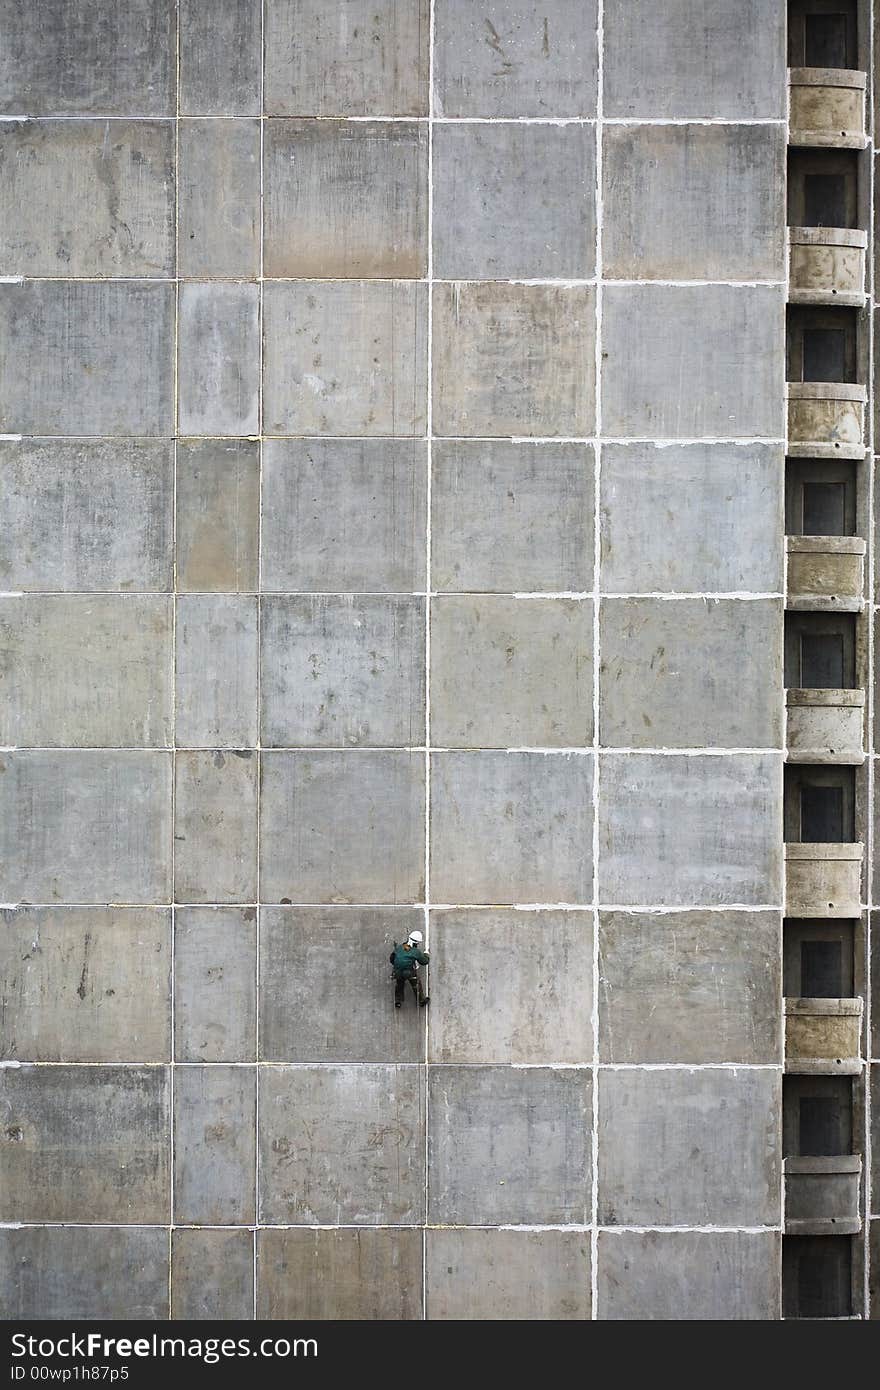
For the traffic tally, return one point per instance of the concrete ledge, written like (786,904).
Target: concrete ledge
(828,417)
(823,880)
(825,573)
(822,1195)
(826,265)
(827,107)
(824,726)
(822,1037)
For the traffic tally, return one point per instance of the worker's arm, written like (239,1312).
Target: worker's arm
(422,957)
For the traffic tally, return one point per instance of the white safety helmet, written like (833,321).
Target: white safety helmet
(415,937)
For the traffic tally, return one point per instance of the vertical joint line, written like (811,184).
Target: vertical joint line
(597,469)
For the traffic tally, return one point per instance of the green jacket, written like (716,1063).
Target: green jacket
(404,958)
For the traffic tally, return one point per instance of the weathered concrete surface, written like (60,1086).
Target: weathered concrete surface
(827,107)
(511,987)
(87,198)
(218,515)
(508,1275)
(79,1272)
(825,572)
(219,169)
(215,970)
(682,1148)
(696,1275)
(689,987)
(508,1145)
(85,984)
(220,58)
(342,1145)
(339,1275)
(215,826)
(218,371)
(511,827)
(825,726)
(212,1275)
(827,265)
(823,880)
(508,672)
(214,1144)
(216,678)
(826,419)
(85,1144)
(514,200)
(822,1195)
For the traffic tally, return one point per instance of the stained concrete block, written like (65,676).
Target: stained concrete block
(512,516)
(692,362)
(689,1275)
(103,195)
(219,173)
(86,984)
(514,200)
(512,987)
(85,827)
(342,827)
(220,58)
(693,202)
(689,1148)
(217,662)
(342,1145)
(218,359)
(508,672)
(85,1144)
(86,358)
(678,61)
(704,518)
(689,987)
(85,671)
(344,515)
(368,58)
(215,978)
(343,670)
(511,827)
(691,673)
(95,515)
(212,1275)
(345,358)
(515,58)
(508,1145)
(681,831)
(214,1144)
(513,359)
(215,827)
(218,515)
(79,1272)
(346,200)
(63,59)
(339,1276)
(508,1275)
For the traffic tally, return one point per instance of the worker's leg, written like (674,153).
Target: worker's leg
(420,990)
(416,985)
(398,991)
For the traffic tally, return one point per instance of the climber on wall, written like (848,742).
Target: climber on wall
(405,961)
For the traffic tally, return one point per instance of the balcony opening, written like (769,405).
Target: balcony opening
(824,200)
(822,34)
(819,805)
(820,651)
(816,1116)
(823,188)
(821,344)
(818,960)
(820,498)
(817,1277)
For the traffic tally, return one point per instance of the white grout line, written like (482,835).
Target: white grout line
(259,754)
(336,1064)
(871,710)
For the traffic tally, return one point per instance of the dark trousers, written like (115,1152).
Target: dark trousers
(400,982)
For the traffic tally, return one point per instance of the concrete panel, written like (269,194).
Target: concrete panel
(344,515)
(338,1276)
(215,975)
(214,1144)
(219,173)
(79,1272)
(217,662)
(695,517)
(514,201)
(511,827)
(696,58)
(345,358)
(680,831)
(508,1145)
(693,202)
(85,1144)
(218,360)
(342,671)
(508,672)
(509,359)
(511,517)
(342,827)
(86,984)
(87,198)
(515,58)
(689,1148)
(346,200)
(690,362)
(86,358)
(511,987)
(689,987)
(689,1275)
(220,58)
(342,1145)
(212,1275)
(95,515)
(85,671)
(215,827)
(218,515)
(63,59)
(528,1276)
(85,827)
(694,673)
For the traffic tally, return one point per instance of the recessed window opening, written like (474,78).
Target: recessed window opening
(824,354)
(822,661)
(822,969)
(825,200)
(822,815)
(825,40)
